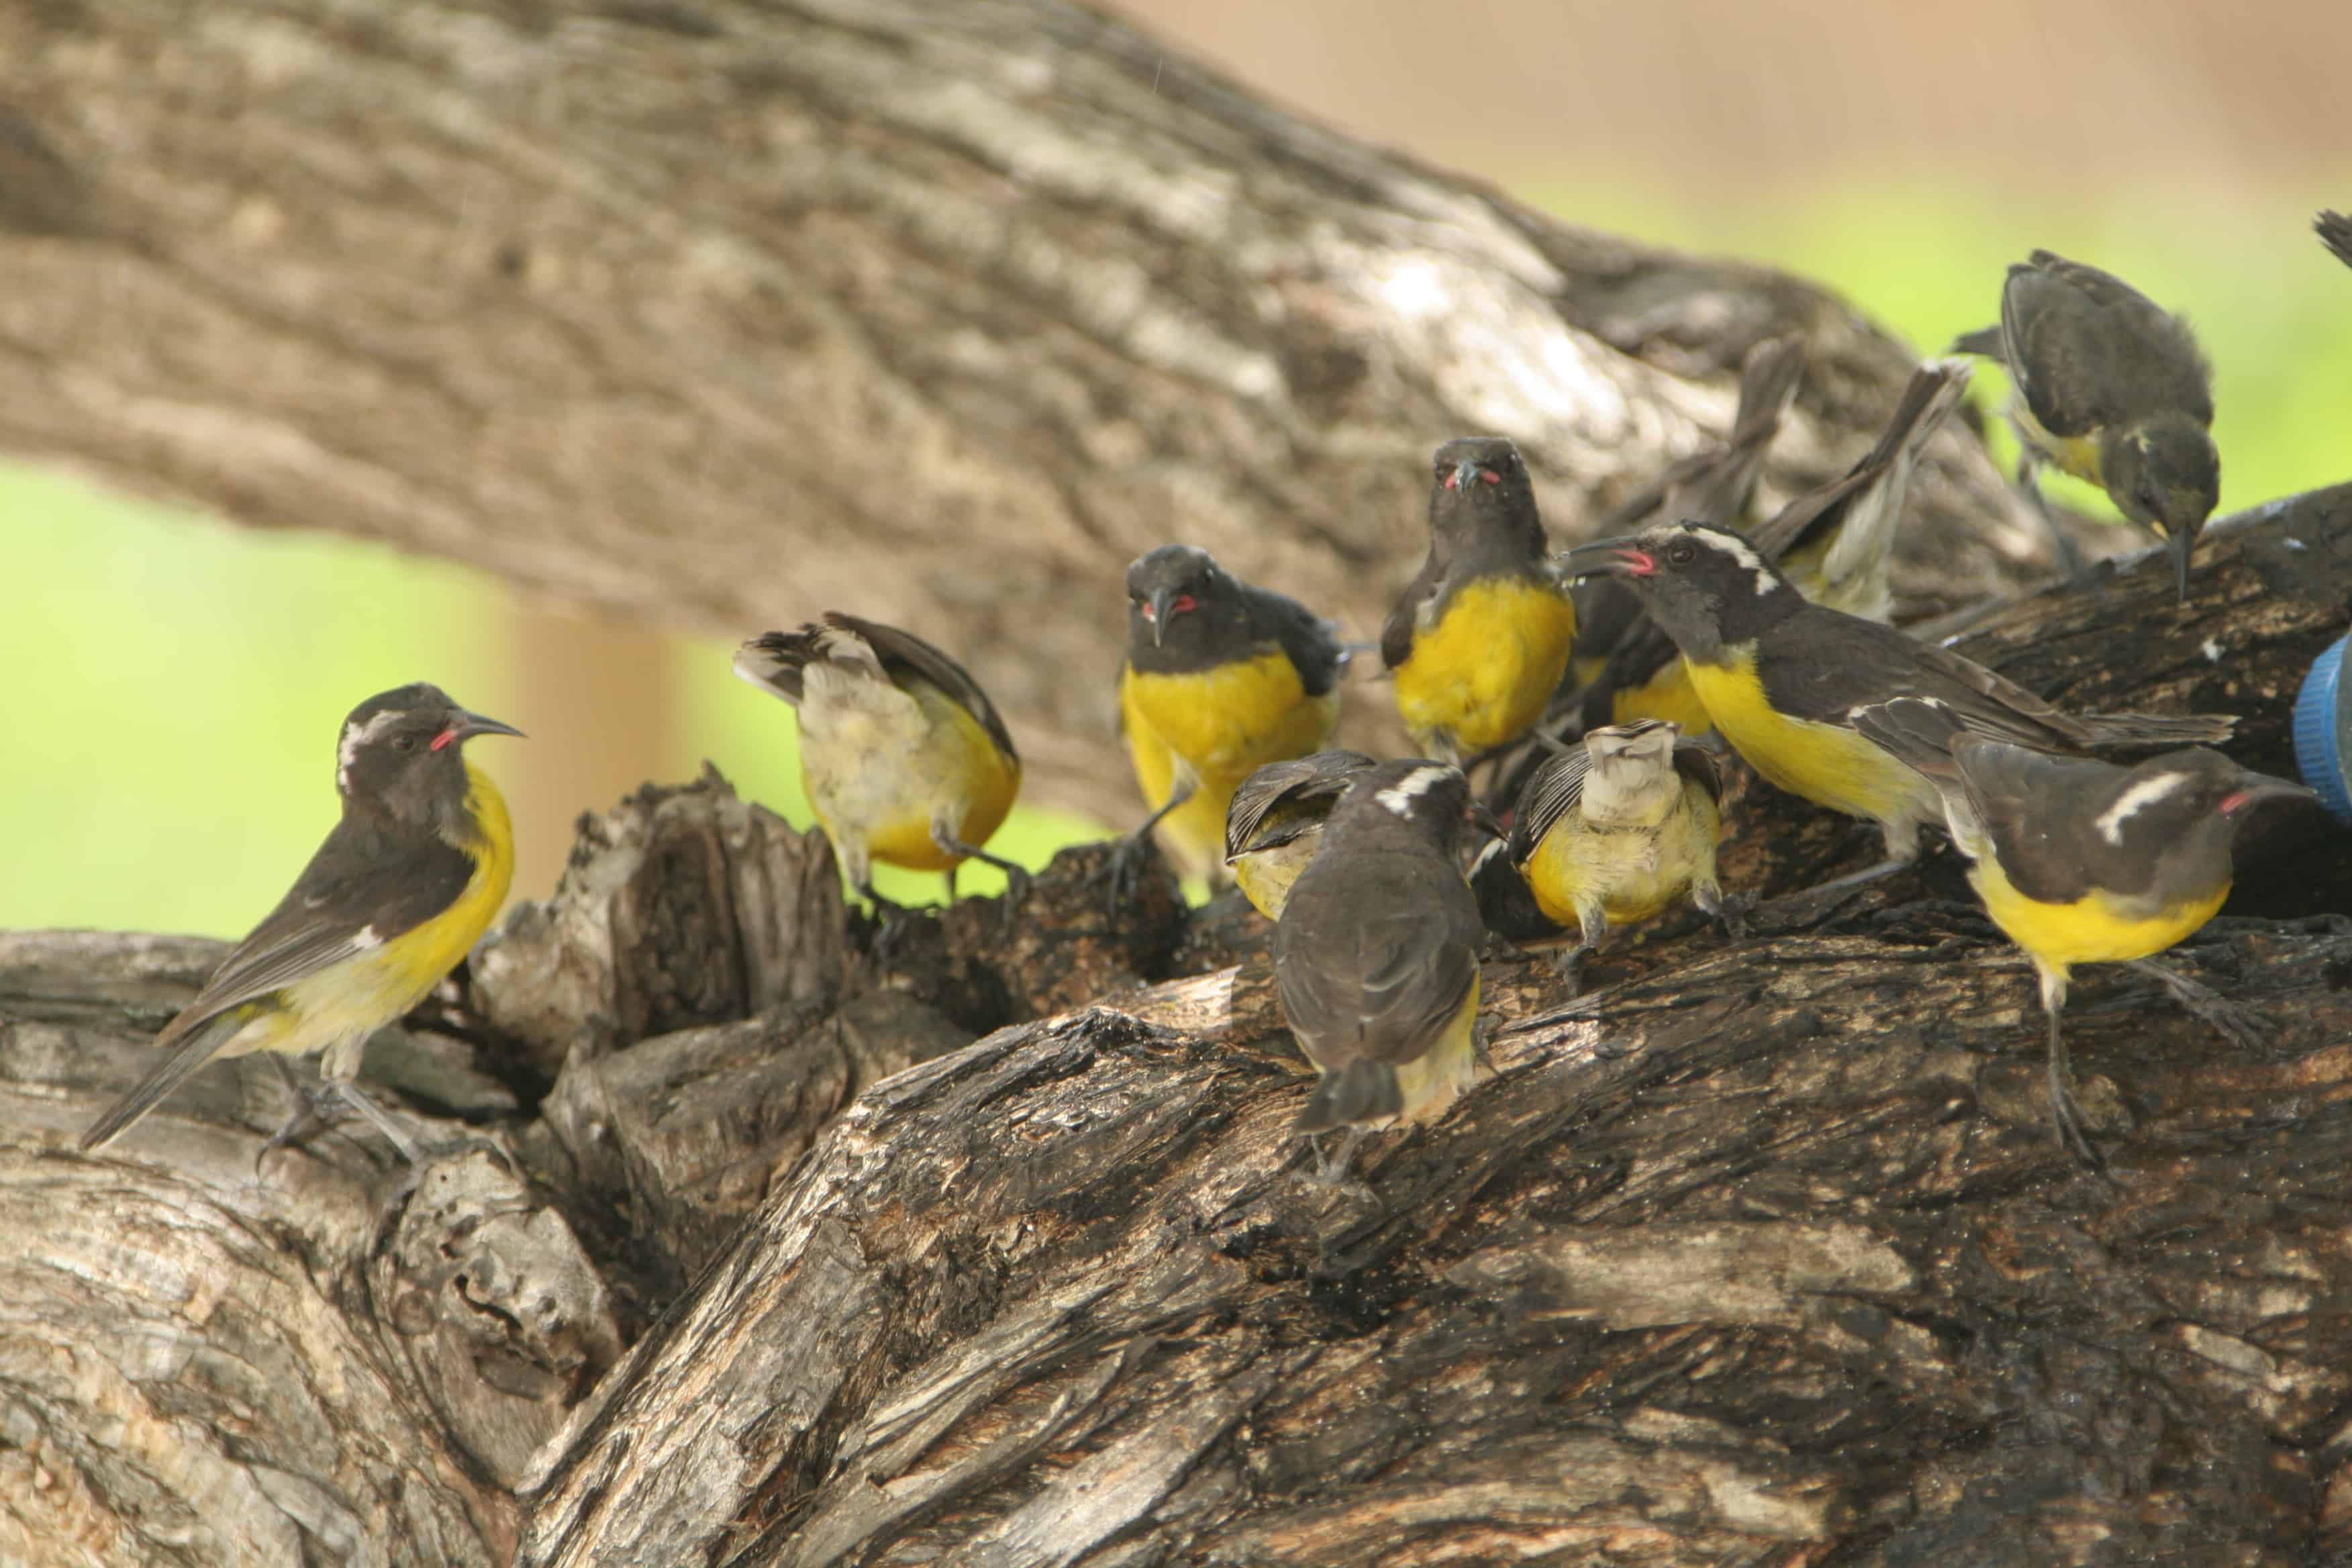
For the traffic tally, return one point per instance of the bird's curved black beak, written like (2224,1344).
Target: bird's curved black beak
(465,726)
(1608,558)
(2182,542)
(2254,788)
(1160,599)
(1465,474)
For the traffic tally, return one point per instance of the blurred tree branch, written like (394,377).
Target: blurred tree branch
(717,314)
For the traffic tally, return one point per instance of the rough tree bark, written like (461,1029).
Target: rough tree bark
(719,313)
(1760,1252)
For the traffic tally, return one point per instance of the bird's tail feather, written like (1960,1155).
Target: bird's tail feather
(2159,728)
(175,1069)
(1357,1093)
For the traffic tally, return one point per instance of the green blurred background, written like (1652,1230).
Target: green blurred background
(177,683)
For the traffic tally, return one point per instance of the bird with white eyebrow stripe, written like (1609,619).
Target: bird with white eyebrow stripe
(1783,677)
(2080,861)
(1376,954)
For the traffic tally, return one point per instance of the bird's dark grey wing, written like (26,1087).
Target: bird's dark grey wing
(1823,509)
(2042,814)
(1378,961)
(1822,665)
(1397,632)
(1323,776)
(2088,350)
(2334,231)
(775,660)
(1550,794)
(1312,643)
(905,653)
(380,883)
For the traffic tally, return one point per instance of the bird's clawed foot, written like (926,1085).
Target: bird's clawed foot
(2241,1025)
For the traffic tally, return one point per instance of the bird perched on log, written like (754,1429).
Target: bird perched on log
(1782,678)
(906,760)
(2079,861)
(1275,822)
(1221,679)
(1835,542)
(1479,639)
(409,875)
(2109,387)
(1376,954)
(1618,829)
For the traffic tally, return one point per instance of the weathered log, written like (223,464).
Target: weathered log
(719,313)
(1763,1252)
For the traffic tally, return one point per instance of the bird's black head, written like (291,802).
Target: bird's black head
(1707,586)
(1481,503)
(1421,800)
(2166,476)
(2169,801)
(1184,611)
(399,755)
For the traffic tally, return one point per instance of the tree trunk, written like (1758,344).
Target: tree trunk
(719,314)
(1759,1252)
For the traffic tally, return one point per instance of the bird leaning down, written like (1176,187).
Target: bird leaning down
(1618,829)
(1275,822)
(2108,387)
(1479,639)
(1782,678)
(2079,861)
(409,875)
(905,760)
(1221,679)
(1376,954)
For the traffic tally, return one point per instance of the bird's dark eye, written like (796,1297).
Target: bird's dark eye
(1681,553)
(403,743)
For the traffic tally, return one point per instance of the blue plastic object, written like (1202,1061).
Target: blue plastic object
(2323,730)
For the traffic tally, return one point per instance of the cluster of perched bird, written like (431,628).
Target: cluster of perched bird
(1599,710)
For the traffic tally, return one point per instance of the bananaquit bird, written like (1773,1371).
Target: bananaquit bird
(1620,827)
(2108,387)
(1835,542)
(405,882)
(1480,638)
(1221,679)
(1376,955)
(1782,678)
(2082,862)
(1275,822)
(904,758)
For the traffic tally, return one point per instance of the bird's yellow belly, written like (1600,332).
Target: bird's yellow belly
(1826,763)
(1629,875)
(884,777)
(2096,928)
(1214,728)
(1484,673)
(1667,695)
(1431,1082)
(1266,876)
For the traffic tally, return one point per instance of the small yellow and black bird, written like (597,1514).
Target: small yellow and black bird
(1717,484)
(2335,230)
(1480,638)
(2080,861)
(1835,542)
(1618,829)
(1221,679)
(1376,955)
(405,882)
(2109,387)
(1782,677)
(904,758)
(1275,822)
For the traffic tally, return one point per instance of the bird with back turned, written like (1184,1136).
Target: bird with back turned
(905,760)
